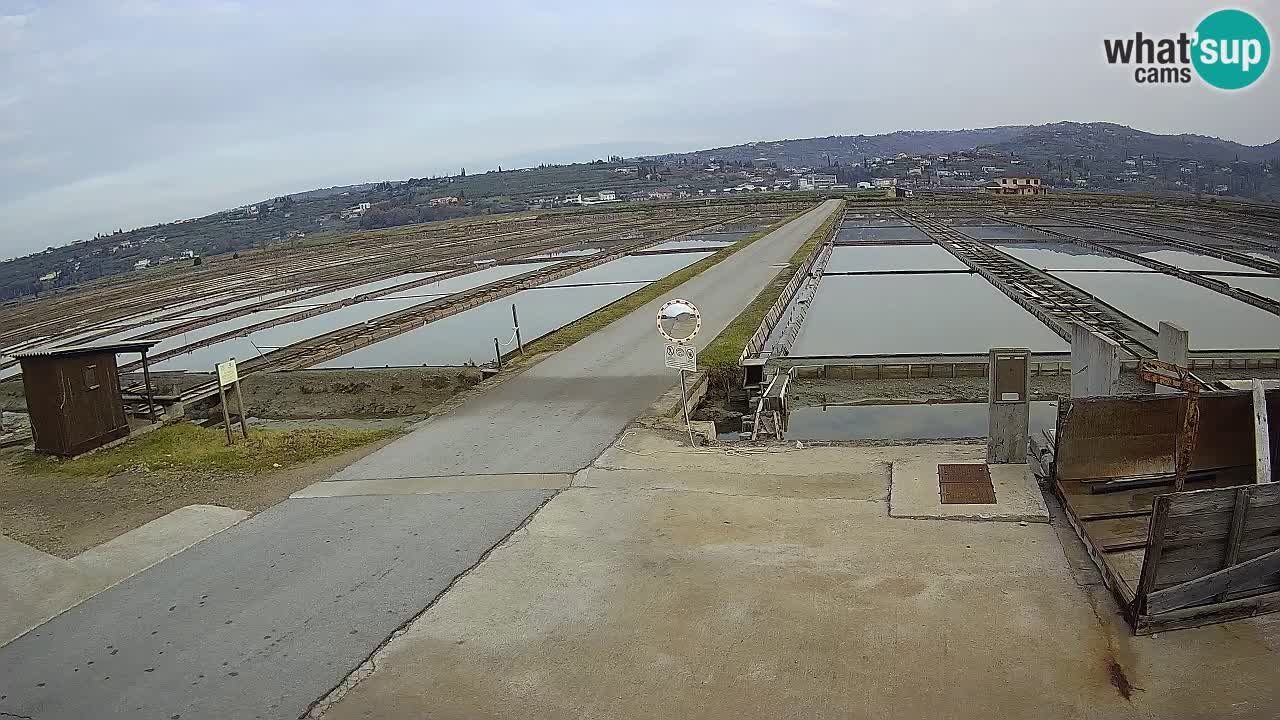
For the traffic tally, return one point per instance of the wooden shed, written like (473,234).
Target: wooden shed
(73,395)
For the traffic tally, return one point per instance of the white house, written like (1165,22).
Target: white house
(864,186)
(142,264)
(608,196)
(815,181)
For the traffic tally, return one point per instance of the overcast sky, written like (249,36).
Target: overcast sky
(128,113)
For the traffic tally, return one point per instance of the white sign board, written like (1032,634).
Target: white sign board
(227,373)
(681,357)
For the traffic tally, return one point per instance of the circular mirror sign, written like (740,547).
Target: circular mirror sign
(679,320)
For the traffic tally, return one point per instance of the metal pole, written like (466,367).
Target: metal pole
(244,421)
(516,321)
(226,416)
(684,403)
(146,379)
(497,352)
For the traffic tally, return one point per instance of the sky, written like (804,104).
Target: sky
(118,114)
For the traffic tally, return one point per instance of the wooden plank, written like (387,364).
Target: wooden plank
(1217,525)
(1127,565)
(1180,596)
(1261,433)
(1119,533)
(1208,614)
(1144,513)
(1151,559)
(1231,552)
(1193,502)
(1120,587)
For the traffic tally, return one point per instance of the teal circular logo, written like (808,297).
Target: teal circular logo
(1231,49)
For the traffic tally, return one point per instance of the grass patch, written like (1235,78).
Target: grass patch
(575,331)
(185,446)
(720,357)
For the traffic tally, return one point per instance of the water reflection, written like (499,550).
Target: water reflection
(1216,322)
(867,258)
(917,314)
(904,422)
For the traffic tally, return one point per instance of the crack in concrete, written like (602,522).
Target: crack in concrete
(370,665)
(14,715)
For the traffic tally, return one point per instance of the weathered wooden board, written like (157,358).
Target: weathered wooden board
(1128,435)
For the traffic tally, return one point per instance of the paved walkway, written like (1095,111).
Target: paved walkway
(670,584)
(265,618)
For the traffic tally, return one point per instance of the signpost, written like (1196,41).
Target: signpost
(229,376)
(679,321)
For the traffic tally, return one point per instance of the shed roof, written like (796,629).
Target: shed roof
(130,346)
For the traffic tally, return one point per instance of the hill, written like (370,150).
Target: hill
(1099,156)
(1103,141)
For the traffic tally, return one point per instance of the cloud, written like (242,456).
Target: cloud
(134,111)
(12,28)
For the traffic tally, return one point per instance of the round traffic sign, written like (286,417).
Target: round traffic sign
(679,320)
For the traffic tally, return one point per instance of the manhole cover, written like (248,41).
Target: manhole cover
(966,484)
(968,494)
(964,473)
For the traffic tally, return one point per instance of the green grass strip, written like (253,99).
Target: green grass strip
(720,357)
(187,447)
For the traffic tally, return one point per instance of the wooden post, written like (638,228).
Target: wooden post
(1261,433)
(1151,558)
(146,379)
(1186,440)
(1232,550)
(516,322)
(244,421)
(226,416)
(497,352)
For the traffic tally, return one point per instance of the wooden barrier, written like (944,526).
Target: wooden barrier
(1173,559)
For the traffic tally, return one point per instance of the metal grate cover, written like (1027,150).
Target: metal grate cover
(964,473)
(966,484)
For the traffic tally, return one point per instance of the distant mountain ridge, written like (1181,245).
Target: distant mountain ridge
(1103,140)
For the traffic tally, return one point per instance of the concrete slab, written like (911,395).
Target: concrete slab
(866,485)
(36,586)
(914,490)
(431,485)
(639,603)
(261,619)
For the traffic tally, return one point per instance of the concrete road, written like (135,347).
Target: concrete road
(562,413)
(267,617)
(776,585)
(261,620)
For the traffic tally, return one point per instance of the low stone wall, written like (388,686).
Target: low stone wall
(384,392)
(354,393)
